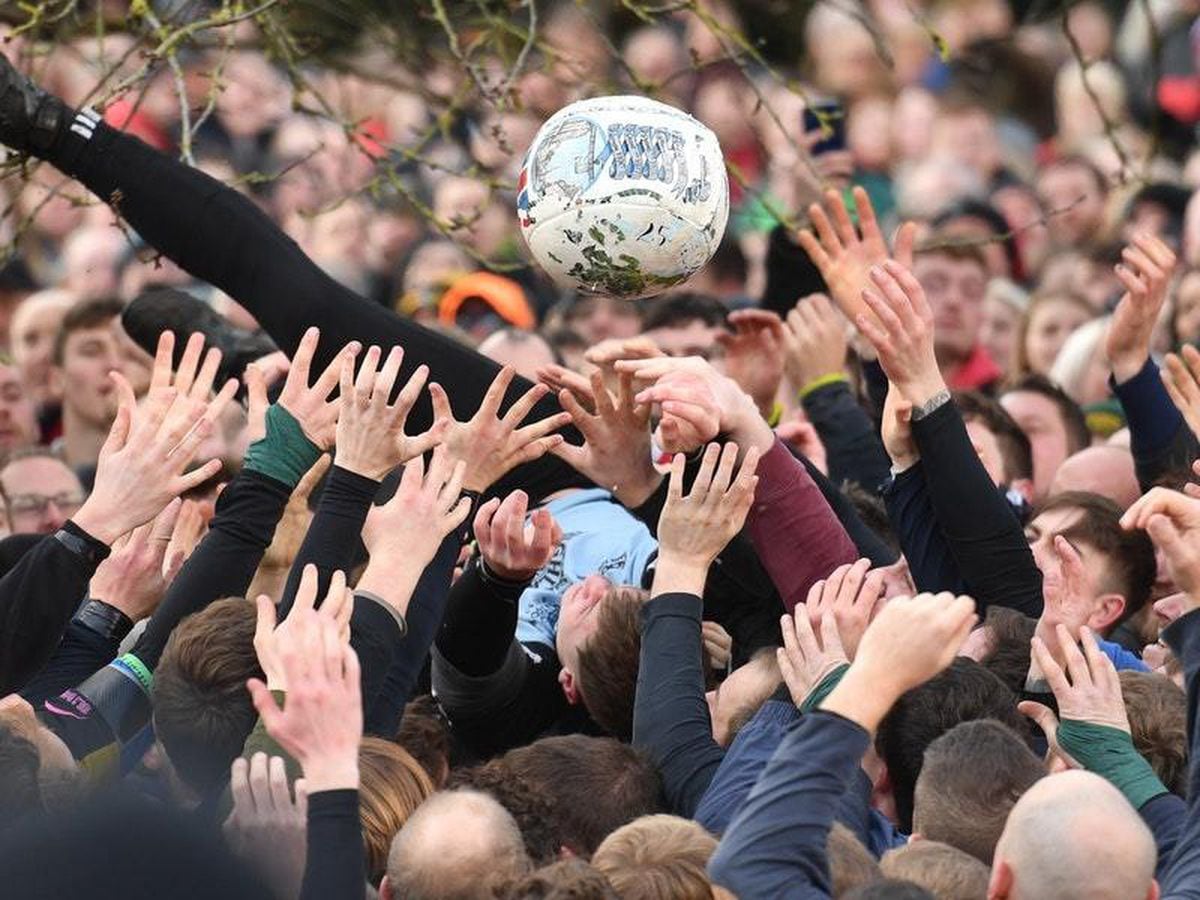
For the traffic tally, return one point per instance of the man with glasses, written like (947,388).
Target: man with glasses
(41,492)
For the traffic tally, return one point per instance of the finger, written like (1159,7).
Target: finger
(543,531)
(1142,264)
(841,218)
(603,402)
(328,378)
(905,241)
(885,315)
(411,391)
(541,428)
(867,223)
(704,477)
(302,359)
(160,375)
(118,433)
(278,780)
(441,403)
(202,386)
(386,379)
(260,782)
(264,625)
(159,530)
(335,597)
(814,250)
(579,416)
(724,473)
(675,484)
(496,391)
(825,230)
(852,583)
(306,593)
(1100,667)
(185,375)
(256,389)
(217,405)
(1133,283)
(1159,252)
(482,526)
(1043,717)
(196,477)
(524,405)
(264,703)
(1050,668)
(366,375)
(239,788)
(452,489)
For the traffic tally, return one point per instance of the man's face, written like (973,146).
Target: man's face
(32,342)
(18,424)
(1070,605)
(693,339)
(578,615)
(88,356)
(955,288)
(1039,418)
(987,447)
(597,319)
(42,494)
(1071,193)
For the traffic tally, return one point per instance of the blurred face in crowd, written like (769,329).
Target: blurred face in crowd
(88,356)
(695,338)
(999,332)
(526,352)
(1100,608)
(1187,308)
(987,448)
(1050,324)
(969,136)
(1042,423)
(42,494)
(955,288)
(34,326)
(578,616)
(18,423)
(1074,203)
(597,319)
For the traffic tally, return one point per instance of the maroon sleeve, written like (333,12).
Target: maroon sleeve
(795,533)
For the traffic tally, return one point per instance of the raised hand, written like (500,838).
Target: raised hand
(850,597)
(896,430)
(1067,588)
(1172,520)
(148,449)
(403,534)
(311,406)
(616,449)
(266,828)
(909,642)
(814,342)
(718,645)
(512,548)
(1182,379)
(808,656)
(192,382)
(135,577)
(321,723)
(1145,271)
(694,528)
(491,445)
(271,638)
(1089,689)
(370,430)
(900,328)
(607,352)
(754,354)
(843,257)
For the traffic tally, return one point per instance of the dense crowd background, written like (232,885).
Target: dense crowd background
(346,554)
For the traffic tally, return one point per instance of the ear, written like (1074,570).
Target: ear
(1155,891)
(385,889)
(883,796)
(915,837)
(1000,885)
(566,679)
(1108,608)
(55,381)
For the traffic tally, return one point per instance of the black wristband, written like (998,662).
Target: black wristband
(104,619)
(82,544)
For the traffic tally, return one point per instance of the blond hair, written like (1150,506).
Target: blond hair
(658,857)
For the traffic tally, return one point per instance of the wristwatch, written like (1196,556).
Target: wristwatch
(104,619)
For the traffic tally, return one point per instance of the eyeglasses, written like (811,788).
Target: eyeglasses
(36,504)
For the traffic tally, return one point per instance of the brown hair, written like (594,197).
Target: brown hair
(1157,711)
(85,316)
(425,734)
(1014,443)
(393,784)
(596,785)
(946,872)
(971,777)
(953,246)
(202,710)
(1130,568)
(850,863)
(658,857)
(530,804)
(567,879)
(20,789)
(608,661)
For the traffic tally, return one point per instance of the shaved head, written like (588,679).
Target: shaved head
(1105,469)
(1073,836)
(456,846)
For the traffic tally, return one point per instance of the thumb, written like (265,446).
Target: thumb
(1042,716)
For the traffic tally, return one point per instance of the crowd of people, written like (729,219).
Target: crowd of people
(345,555)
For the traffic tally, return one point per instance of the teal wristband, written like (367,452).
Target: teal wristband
(285,453)
(136,670)
(1109,752)
(818,694)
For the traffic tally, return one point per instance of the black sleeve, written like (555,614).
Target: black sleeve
(426,610)
(374,635)
(852,444)
(225,561)
(81,652)
(333,537)
(335,865)
(984,534)
(670,714)
(38,596)
(480,621)
(790,273)
(911,513)
(869,544)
